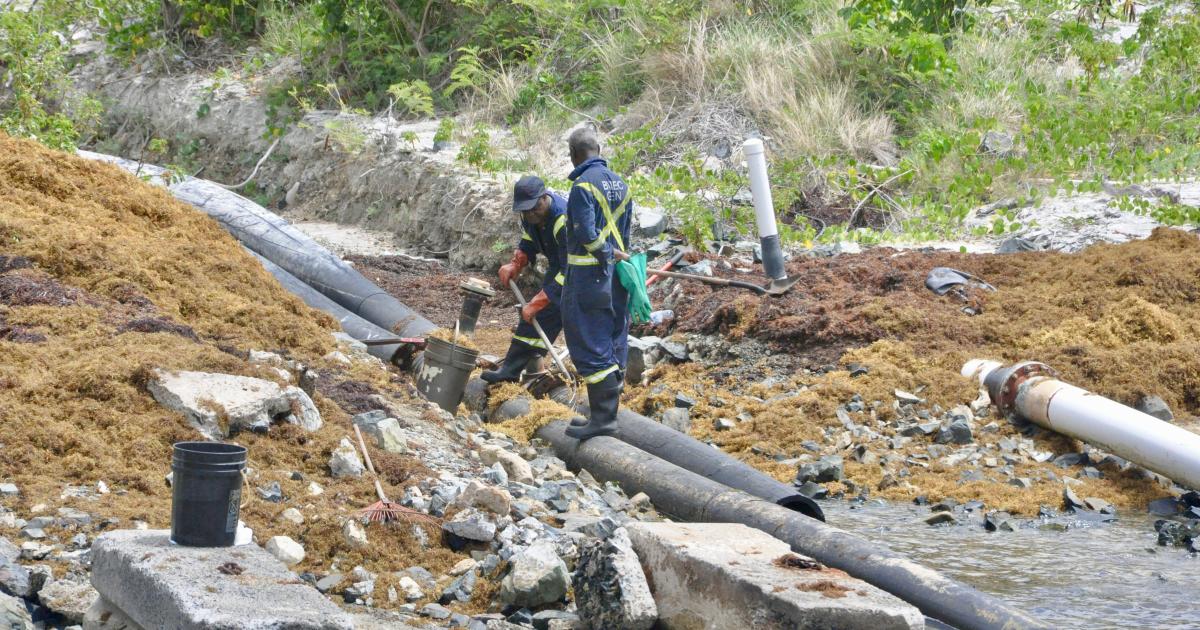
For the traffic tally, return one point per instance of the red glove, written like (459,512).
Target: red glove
(535,306)
(513,268)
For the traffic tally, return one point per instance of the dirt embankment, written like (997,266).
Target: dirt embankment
(1120,320)
(102,279)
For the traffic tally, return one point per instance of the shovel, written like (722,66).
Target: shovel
(558,362)
(775,289)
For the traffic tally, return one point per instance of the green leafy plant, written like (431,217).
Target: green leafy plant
(468,73)
(477,150)
(415,97)
(445,131)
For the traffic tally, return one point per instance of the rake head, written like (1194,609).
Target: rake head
(389,512)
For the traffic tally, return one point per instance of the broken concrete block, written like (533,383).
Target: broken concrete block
(160,585)
(71,599)
(610,588)
(651,220)
(216,404)
(104,616)
(718,575)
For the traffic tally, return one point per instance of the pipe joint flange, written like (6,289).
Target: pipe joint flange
(1003,384)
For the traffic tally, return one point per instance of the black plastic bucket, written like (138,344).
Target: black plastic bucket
(206,493)
(444,372)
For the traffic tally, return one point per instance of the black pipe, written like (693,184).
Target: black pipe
(354,325)
(682,450)
(689,496)
(273,238)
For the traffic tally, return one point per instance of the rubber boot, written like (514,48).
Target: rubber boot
(603,399)
(510,371)
(579,421)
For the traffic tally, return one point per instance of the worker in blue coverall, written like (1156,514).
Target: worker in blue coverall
(543,231)
(594,311)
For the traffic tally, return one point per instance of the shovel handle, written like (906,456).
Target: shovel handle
(512,284)
(722,282)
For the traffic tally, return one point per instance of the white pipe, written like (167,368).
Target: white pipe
(1138,437)
(760,187)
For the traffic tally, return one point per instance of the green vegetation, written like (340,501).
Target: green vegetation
(885,118)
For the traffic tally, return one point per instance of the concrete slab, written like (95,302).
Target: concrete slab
(720,575)
(160,585)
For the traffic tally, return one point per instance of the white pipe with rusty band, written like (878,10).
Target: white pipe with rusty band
(1138,437)
(764,209)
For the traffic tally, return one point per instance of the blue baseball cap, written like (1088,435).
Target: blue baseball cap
(527,192)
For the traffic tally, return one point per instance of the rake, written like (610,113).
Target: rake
(384,511)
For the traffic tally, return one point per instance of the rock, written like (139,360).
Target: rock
(271,492)
(345,461)
(315,489)
(547,619)
(1155,406)
(517,468)
(459,590)
(997,143)
(723,424)
(1016,245)
(386,432)
(939,518)
(471,524)
(9,489)
(292,515)
(464,565)
(496,475)
(1071,501)
(70,517)
(640,501)
(826,469)
(650,220)
(1099,505)
(354,534)
(684,401)
(611,590)
(329,582)
(285,550)
(491,498)
(813,490)
(435,611)
(412,590)
(998,521)
(209,401)
(1067,460)
(1021,482)
(13,615)
(678,418)
(906,398)
(538,577)
(957,432)
(71,599)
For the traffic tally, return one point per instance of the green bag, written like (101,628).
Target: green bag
(632,274)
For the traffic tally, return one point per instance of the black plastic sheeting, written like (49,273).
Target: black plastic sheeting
(692,497)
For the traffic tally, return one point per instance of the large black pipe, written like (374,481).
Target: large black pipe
(677,448)
(272,237)
(354,325)
(692,497)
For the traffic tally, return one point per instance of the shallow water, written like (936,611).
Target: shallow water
(1097,576)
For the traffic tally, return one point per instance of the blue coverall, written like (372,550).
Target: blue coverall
(595,315)
(549,240)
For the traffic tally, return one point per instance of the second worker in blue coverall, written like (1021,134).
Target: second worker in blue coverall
(594,304)
(543,231)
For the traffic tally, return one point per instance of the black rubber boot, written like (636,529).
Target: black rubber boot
(579,421)
(603,398)
(514,362)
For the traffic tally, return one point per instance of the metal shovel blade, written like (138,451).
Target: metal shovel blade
(779,287)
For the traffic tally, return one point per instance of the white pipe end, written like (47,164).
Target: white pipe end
(980,368)
(753,146)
